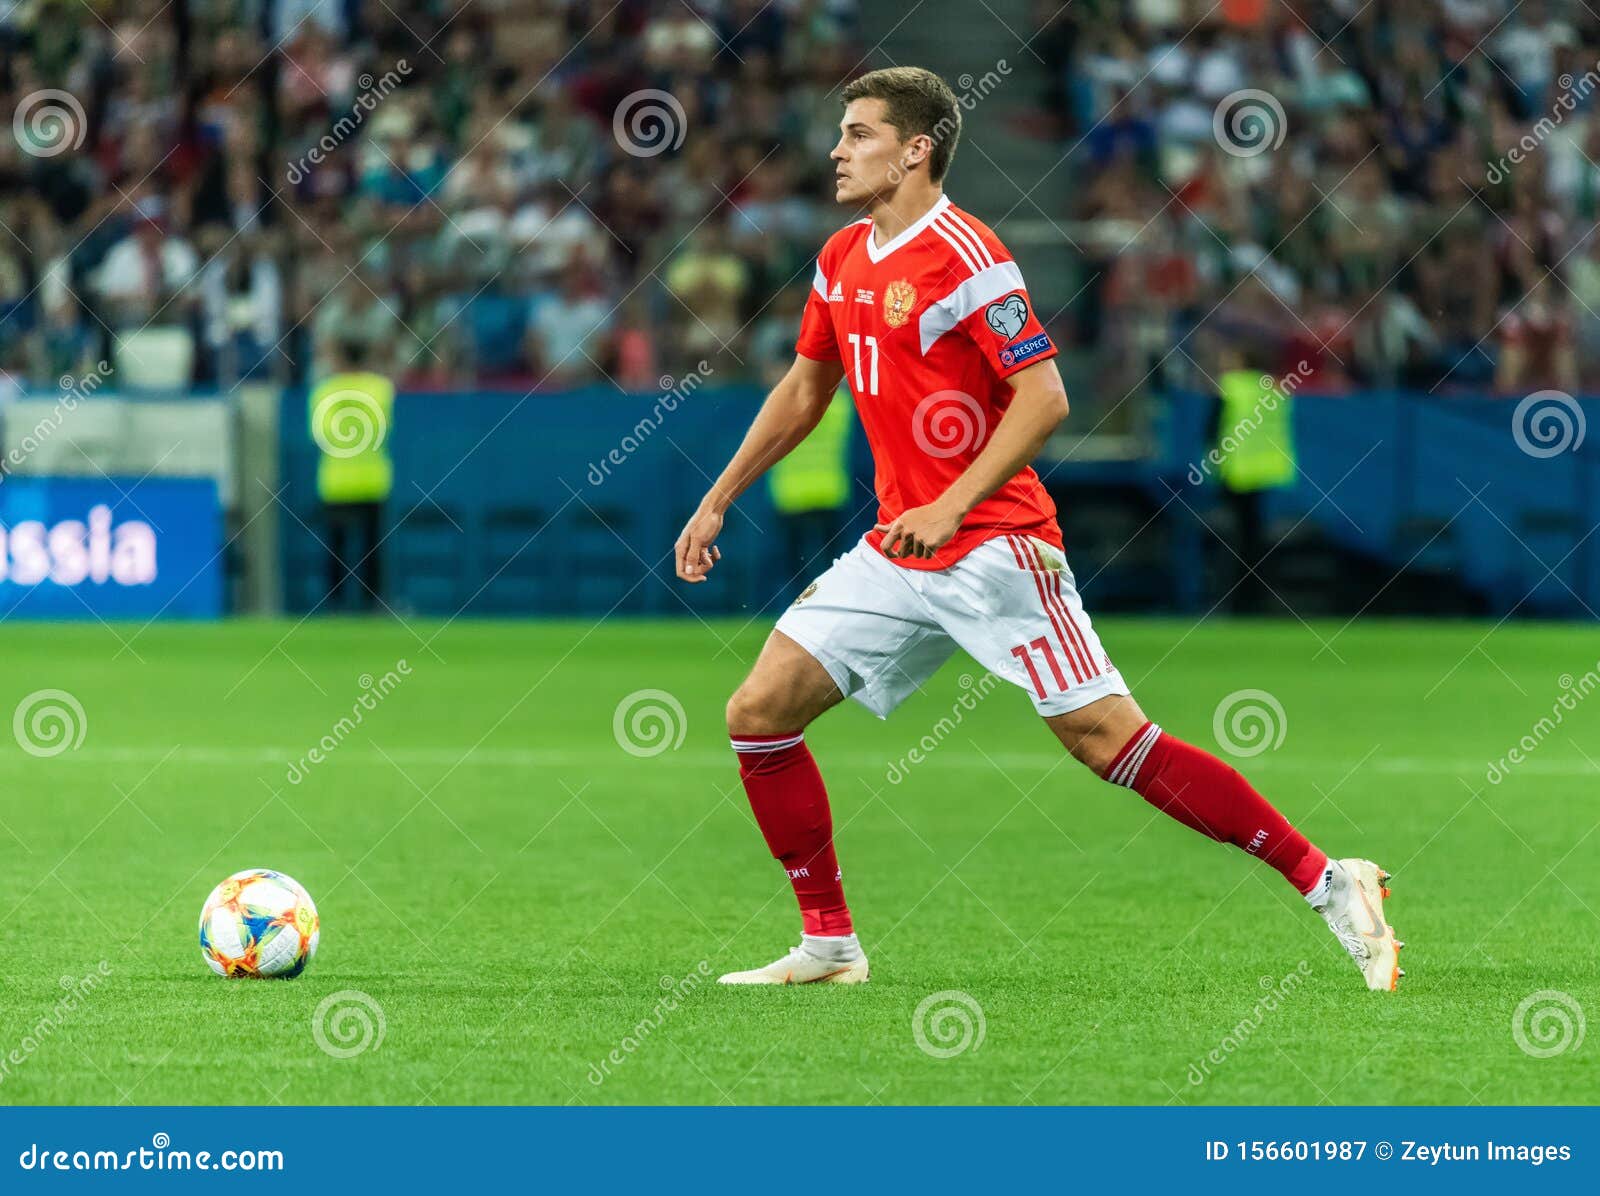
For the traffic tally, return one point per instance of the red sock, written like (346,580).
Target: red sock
(1208,796)
(791,807)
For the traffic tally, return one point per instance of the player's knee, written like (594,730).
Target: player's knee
(1096,752)
(1097,733)
(755,709)
(1095,747)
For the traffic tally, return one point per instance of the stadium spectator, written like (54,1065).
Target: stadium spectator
(710,281)
(1537,344)
(146,275)
(565,327)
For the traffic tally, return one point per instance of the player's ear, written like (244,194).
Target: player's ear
(917,150)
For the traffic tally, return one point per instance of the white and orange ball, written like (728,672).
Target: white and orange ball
(259,924)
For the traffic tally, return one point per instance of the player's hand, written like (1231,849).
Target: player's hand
(919,532)
(696,548)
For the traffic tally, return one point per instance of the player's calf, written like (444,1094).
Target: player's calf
(1192,786)
(767,717)
(1197,789)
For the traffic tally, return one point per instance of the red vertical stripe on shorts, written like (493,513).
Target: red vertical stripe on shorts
(1027,551)
(1060,617)
(1073,631)
(1072,624)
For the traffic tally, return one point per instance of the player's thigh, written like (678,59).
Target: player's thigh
(866,622)
(787,688)
(1013,604)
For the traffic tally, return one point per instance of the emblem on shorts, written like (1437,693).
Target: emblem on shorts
(898,299)
(1050,557)
(806,593)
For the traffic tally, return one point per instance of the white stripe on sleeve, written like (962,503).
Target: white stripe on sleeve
(981,289)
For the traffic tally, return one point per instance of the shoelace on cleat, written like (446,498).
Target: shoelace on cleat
(1349,939)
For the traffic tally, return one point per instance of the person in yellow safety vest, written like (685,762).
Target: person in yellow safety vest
(810,490)
(351,415)
(1255,454)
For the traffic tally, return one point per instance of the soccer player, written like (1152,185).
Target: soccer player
(919,306)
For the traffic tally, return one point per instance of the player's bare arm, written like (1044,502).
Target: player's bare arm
(1036,410)
(787,417)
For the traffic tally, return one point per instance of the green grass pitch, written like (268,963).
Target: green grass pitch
(539,914)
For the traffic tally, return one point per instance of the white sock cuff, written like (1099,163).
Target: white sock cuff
(1318,896)
(1127,772)
(844,948)
(767,744)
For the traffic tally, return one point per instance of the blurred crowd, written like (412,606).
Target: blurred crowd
(1365,194)
(453,192)
(557,192)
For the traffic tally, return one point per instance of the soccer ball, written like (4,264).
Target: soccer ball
(257,924)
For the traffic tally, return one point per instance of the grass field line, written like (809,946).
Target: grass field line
(506,757)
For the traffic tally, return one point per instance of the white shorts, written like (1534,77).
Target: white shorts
(882,630)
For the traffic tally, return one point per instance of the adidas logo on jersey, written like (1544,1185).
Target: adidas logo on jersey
(837,294)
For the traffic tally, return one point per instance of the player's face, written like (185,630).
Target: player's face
(869,160)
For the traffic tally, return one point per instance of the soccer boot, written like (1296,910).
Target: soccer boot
(1354,912)
(801,966)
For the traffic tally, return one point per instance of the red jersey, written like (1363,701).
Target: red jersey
(928,327)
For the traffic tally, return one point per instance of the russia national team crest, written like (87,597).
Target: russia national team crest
(898,299)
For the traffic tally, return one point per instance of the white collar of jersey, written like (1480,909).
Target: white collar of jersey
(877,253)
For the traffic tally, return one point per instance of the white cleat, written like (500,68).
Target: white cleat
(800,966)
(1354,912)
